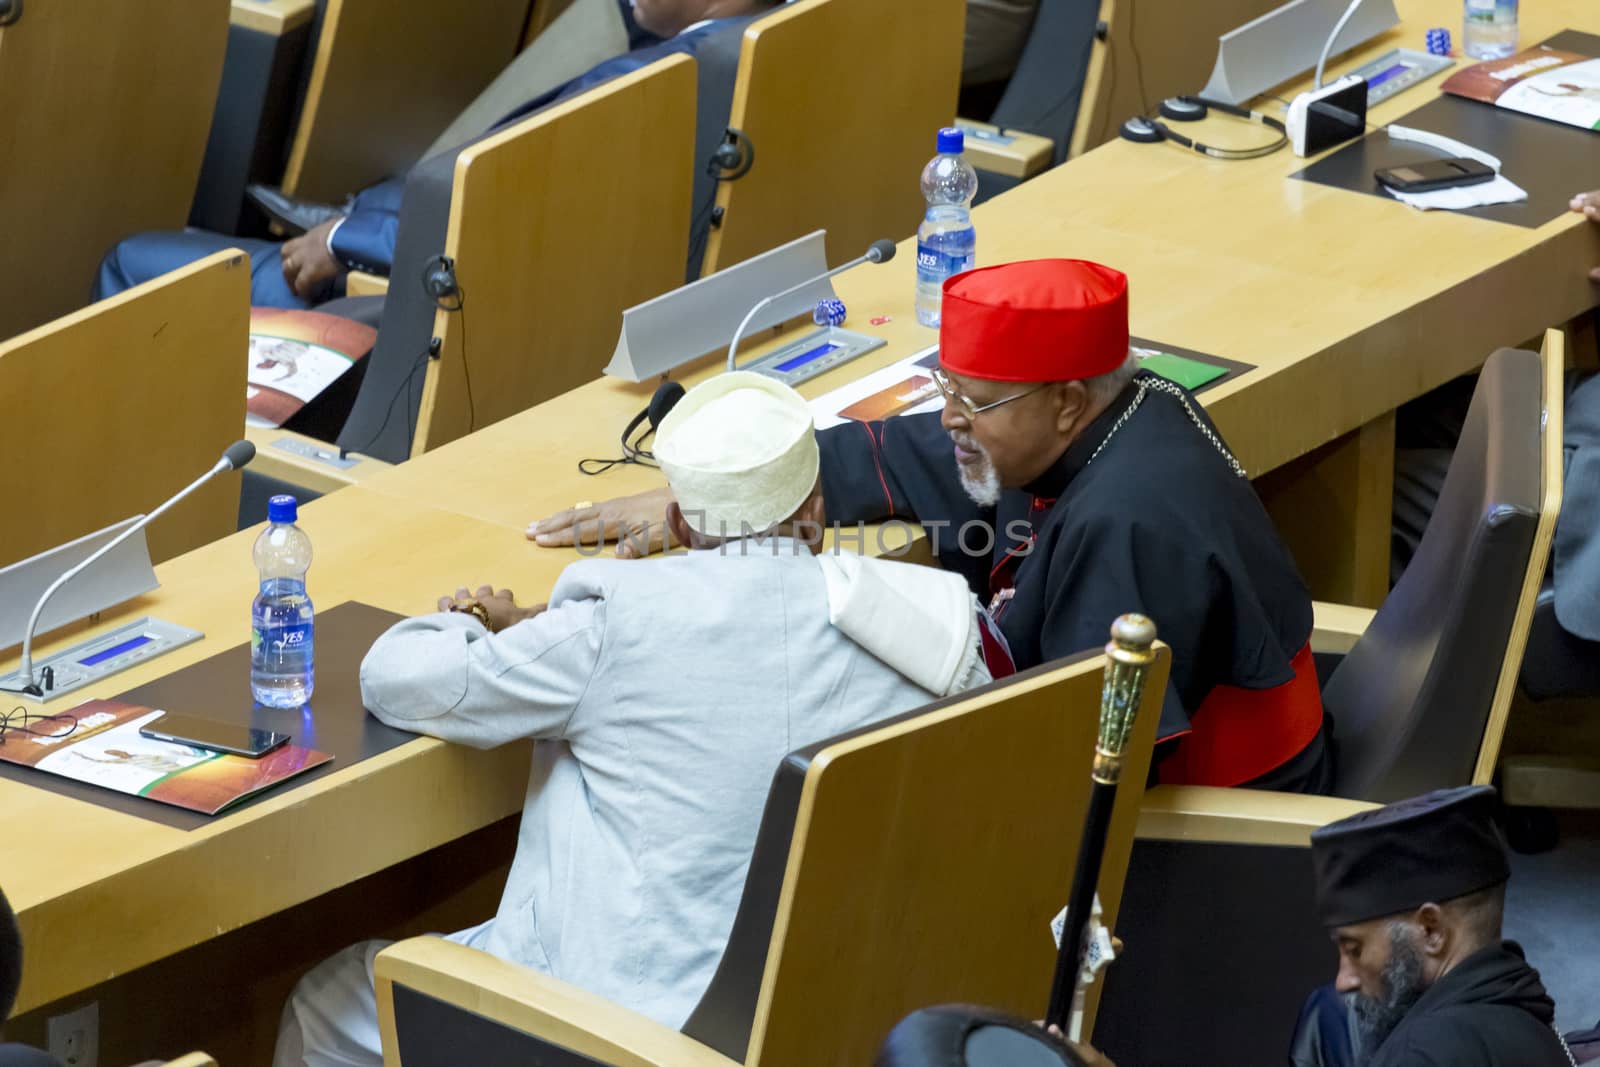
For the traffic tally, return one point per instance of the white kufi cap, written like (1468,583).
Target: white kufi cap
(740,453)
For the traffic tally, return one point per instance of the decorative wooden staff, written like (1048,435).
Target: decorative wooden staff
(1128,659)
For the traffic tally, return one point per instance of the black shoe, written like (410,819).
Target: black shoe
(295,216)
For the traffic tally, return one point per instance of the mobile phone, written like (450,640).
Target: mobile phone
(215,736)
(1435,174)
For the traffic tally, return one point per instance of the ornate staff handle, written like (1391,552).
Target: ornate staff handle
(1128,659)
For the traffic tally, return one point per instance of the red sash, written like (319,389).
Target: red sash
(1240,734)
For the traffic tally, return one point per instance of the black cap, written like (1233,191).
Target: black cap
(964,1035)
(1435,847)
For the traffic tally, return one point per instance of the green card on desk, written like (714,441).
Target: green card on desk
(1189,373)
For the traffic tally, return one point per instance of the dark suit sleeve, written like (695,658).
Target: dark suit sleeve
(365,239)
(902,468)
(1103,569)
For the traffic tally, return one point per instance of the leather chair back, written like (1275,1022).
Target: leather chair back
(1412,700)
(1045,94)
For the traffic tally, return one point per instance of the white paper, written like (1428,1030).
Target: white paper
(1501,190)
(826,409)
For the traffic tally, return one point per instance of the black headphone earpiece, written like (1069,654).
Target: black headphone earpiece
(439,281)
(10,11)
(1183,109)
(734,156)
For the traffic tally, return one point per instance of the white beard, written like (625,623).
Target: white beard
(979,480)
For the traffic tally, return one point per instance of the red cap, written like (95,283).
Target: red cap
(1041,320)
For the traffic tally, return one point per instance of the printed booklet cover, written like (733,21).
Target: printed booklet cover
(294,356)
(1560,86)
(105,749)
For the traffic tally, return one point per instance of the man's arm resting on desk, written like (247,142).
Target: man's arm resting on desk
(445,675)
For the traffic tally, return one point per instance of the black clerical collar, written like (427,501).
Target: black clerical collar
(1056,477)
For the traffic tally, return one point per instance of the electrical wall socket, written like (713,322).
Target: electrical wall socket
(75,1036)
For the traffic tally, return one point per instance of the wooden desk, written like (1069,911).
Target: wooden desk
(107,892)
(1232,258)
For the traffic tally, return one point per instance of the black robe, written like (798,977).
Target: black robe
(1158,523)
(1491,1010)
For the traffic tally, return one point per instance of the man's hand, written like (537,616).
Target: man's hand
(501,606)
(1090,1056)
(638,523)
(307,263)
(1588,205)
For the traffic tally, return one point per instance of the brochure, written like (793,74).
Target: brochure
(98,742)
(1560,86)
(294,357)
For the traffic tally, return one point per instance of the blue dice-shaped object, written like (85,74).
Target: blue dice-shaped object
(1438,42)
(828,313)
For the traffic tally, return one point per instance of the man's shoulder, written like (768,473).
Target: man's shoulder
(1471,1035)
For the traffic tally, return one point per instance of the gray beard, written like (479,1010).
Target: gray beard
(981,484)
(1403,986)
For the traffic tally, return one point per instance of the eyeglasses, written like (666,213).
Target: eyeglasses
(968,408)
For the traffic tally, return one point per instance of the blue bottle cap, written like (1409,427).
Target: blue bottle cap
(282,509)
(951,141)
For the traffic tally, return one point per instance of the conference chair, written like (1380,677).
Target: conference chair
(828,145)
(1552,758)
(1419,693)
(370,56)
(84,161)
(1221,943)
(263,73)
(116,407)
(1039,120)
(912,862)
(503,295)
(1420,690)
(544,12)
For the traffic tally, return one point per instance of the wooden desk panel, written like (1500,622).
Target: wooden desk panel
(107,892)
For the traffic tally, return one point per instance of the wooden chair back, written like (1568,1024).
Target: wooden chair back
(116,407)
(558,224)
(930,855)
(841,100)
(106,109)
(386,79)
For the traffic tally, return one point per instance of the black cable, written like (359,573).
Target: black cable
(405,385)
(466,373)
(633,452)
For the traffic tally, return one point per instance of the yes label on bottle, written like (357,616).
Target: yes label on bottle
(280,641)
(936,265)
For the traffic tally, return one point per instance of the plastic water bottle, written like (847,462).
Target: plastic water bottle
(1489,28)
(946,242)
(282,657)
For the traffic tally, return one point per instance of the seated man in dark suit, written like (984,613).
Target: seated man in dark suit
(10,981)
(309,269)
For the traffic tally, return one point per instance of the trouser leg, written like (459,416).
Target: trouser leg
(146,256)
(331,1018)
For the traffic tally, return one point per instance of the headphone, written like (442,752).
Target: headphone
(439,282)
(10,11)
(666,397)
(1191,109)
(733,158)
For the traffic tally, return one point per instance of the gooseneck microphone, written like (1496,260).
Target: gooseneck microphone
(1327,46)
(880,251)
(237,455)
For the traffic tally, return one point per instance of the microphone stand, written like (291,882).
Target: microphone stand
(881,251)
(1128,659)
(233,459)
